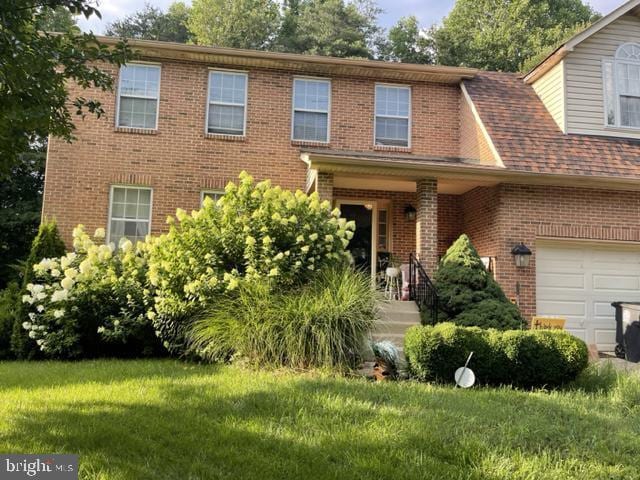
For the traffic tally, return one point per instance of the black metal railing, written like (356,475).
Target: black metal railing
(421,289)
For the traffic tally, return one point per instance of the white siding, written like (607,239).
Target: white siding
(583,67)
(550,89)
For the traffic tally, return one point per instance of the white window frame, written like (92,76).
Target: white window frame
(119,95)
(209,102)
(204,192)
(615,62)
(110,218)
(375,114)
(294,109)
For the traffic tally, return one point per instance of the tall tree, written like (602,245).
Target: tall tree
(503,34)
(151,23)
(407,42)
(57,20)
(330,27)
(35,67)
(20,204)
(235,23)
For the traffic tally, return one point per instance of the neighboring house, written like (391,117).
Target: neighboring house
(551,160)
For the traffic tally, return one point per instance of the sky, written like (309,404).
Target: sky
(427,11)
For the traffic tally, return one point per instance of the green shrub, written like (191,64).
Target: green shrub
(468,295)
(255,231)
(46,244)
(8,301)
(523,358)
(91,302)
(321,324)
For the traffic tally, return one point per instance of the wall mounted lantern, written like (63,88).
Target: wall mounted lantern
(410,213)
(521,254)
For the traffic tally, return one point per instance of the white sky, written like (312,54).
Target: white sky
(427,11)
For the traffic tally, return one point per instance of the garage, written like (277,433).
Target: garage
(578,281)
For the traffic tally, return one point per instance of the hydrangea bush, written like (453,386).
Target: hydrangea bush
(254,231)
(92,301)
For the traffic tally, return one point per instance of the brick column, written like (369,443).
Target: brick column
(427,223)
(324,186)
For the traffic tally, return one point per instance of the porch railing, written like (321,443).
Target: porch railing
(421,289)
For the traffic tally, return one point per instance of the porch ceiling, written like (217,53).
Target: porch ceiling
(377,182)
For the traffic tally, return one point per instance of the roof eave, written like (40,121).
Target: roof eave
(312,63)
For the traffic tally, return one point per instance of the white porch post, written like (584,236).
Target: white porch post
(427,223)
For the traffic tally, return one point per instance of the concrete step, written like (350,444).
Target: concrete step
(398,328)
(400,317)
(396,338)
(395,306)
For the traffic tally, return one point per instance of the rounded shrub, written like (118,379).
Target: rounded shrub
(254,232)
(523,358)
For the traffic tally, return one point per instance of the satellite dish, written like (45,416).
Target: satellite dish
(464,376)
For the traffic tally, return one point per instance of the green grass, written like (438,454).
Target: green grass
(167,419)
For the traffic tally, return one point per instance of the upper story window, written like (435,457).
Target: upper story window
(138,95)
(226,112)
(393,115)
(129,213)
(621,77)
(311,104)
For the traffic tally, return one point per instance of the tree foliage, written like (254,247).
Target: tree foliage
(20,204)
(240,23)
(35,67)
(151,23)
(330,27)
(407,42)
(503,34)
(468,294)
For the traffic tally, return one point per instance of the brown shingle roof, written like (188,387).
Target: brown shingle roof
(528,139)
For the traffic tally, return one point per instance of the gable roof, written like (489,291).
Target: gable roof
(632,6)
(528,139)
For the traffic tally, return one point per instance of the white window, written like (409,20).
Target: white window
(621,84)
(226,112)
(383,230)
(130,213)
(311,104)
(393,115)
(138,95)
(214,195)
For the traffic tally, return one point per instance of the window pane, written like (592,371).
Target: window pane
(630,111)
(227,87)
(392,131)
(310,126)
(139,80)
(311,95)
(137,112)
(226,119)
(116,231)
(130,217)
(392,101)
(609,93)
(119,195)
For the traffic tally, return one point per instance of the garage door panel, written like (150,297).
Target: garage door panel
(562,280)
(616,283)
(609,272)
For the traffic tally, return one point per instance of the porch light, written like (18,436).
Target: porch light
(410,213)
(521,255)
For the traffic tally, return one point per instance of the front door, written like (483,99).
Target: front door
(361,245)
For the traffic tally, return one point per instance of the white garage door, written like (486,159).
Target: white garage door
(579,281)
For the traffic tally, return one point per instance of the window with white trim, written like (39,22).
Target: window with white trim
(138,95)
(214,195)
(621,85)
(130,213)
(383,230)
(392,119)
(311,103)
(226,112)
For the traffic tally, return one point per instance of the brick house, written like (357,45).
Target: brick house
(550,159)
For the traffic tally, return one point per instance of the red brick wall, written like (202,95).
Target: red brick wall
(179,160)
(450,221)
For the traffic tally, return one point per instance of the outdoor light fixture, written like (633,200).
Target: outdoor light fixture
(410,213)
(521,255)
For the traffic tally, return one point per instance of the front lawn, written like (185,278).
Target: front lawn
(167,419)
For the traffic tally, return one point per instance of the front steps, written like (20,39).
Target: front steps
(397,317)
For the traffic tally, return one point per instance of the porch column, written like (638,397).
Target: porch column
(324,186)
(427,223)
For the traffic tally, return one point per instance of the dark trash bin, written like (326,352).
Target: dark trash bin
(628,330)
